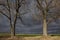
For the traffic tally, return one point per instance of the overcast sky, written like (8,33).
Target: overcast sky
(30,27)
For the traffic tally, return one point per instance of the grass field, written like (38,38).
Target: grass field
(30,37)
(6,34)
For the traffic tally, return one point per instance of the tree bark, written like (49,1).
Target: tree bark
(12,31)
(44,23)
(44,27)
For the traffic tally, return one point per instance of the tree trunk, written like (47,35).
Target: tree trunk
(12,31)
(44,27)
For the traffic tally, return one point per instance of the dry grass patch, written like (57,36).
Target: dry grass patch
(32,38)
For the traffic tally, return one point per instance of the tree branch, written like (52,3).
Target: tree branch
(39,5)
(49,3)
(4,15)
(4,6)
(17,10)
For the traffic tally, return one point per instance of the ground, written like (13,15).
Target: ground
(31,38)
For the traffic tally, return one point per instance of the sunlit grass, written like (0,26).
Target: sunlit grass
(31,36)
(27,35)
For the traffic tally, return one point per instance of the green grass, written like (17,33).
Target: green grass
(27,35)
(24,35)
(4,34)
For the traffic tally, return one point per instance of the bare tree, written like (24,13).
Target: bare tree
(45,6)
(18,4)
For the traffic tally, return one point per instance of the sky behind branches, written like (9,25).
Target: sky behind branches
(30,27)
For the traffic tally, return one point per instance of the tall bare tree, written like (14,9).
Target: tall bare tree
(45,6)
(18,4)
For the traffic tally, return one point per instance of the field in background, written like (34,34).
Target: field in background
(30,37)
(7,34)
